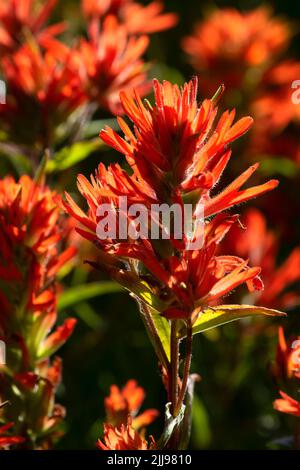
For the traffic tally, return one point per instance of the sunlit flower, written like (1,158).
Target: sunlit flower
(175,154)
(126,402)
(123,437)
(43,90)
(111,61)
(32,231)
(137,18)
(21,18)
(287,404)
(260,246)
(228,42)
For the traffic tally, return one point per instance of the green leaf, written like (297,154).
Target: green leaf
(170,424)
(201,429)
(214,317)
(278,165)
(85,292)
(93,128)
(164,332)
(69,156)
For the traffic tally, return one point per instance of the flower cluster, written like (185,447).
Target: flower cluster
(44,90)
(175,154)
(20,20)
(136,18)
(124,428)
(286,371)
(31,255)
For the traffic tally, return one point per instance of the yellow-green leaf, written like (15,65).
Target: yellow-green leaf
(213,317)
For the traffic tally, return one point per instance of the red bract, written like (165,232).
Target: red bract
(176,148)
(126,402)
(260,246)
(138,19)
(111,61)
(229,42)
(6,440)
(175,154)
(31,254)
(122,437)
(287,404)
(21,18)
(44,89)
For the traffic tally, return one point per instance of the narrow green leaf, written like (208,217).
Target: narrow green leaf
(69,156)
(164,332)
(85,292)
(214,317)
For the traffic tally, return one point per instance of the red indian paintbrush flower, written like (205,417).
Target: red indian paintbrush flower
(111,61)
(31,254)
(176,154)
(123,437)
(126,402)
(138,19)
(176,148)
(229,42)
(287,404)
(260,246)
(43,90)
(21,18)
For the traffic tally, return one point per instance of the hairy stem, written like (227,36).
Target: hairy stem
(187,366)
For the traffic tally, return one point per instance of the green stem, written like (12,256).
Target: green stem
(187,367)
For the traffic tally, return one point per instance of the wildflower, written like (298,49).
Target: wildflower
(230,42)
(175,154)
(287,404)
(110,61)
(19,18)
(122,437)
(126,402)
(30,257)
(260,246)
(44,89)
(138,19)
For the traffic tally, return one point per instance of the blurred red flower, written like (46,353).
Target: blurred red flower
(260,246)
(287,404)
(110,61)
(123,437)
(287,365)
(228,42)
(44,89)
(21,18)
(7,440)
(126,402)
(138,19)
(31,254)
